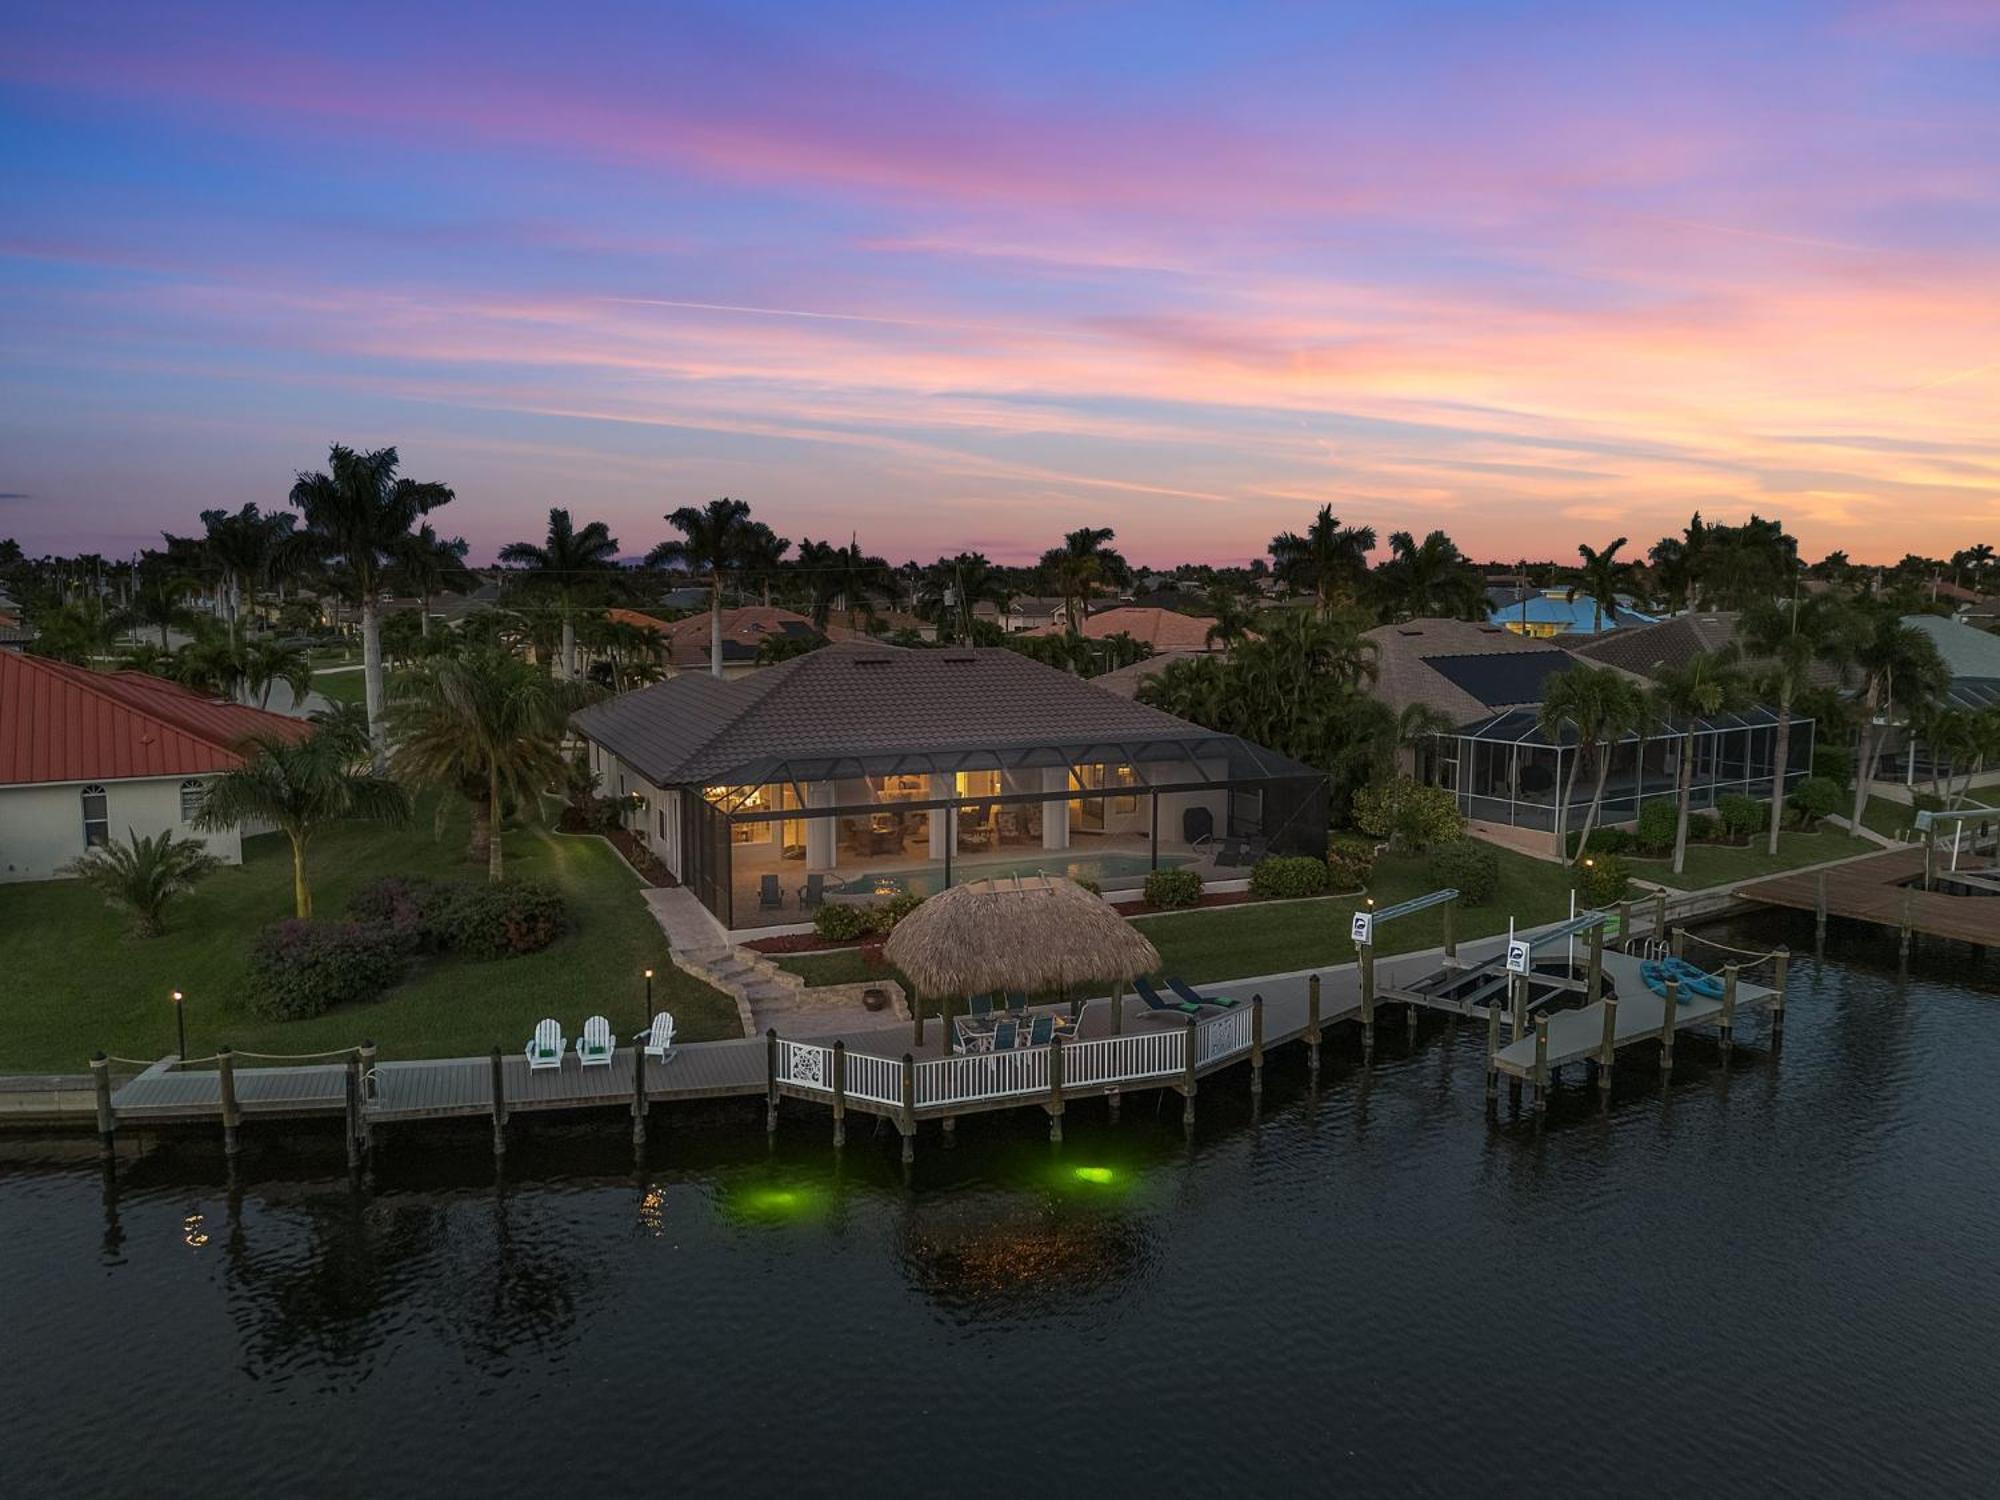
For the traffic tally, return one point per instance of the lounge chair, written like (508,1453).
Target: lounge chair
(1017,1003)
(769,896)
(546,1048)
(1042,1032)
(1153,1000)
(812,894)
(1229,853)
(982,1005)
(1194,997)
(595,1046)
(659,1037)
(1004,1035)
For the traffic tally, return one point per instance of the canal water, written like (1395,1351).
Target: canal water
(1783,1279)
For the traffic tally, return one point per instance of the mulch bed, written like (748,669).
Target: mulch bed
(799,942)
(1209,898)
(640,858)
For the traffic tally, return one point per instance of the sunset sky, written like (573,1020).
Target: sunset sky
(966,276)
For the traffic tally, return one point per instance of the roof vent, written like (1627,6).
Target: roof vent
(960,655)
(871,659)
(1409,630)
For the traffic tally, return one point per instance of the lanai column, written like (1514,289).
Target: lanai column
(819,831)
(942,784)
(1055,814)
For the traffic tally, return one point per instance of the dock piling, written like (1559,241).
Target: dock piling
(352,1112)
(1055,1105)
(1492,1053)
(107,1122)
(499,1104)
(225,1064)
(908,1121)
(1780,981)
(839,1095)
(1668,1015)
(1312,1027)
(1660,915)
(1451,933)
(1903,927)
(770,1080)
(1728,1010)
(1679,942)
(640,1103)
(1187,1080)
(1256,1045)
(1517,1000)
(1367,1002)
(1541,1065)
(1819,913)
(1607,1048)
(370,1087)
(1595,988)
(1625,925)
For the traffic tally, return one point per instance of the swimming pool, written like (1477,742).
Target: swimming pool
(1104,869)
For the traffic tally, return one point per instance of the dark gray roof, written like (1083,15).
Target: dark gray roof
(1671,643)
(857,709)
(1498,679)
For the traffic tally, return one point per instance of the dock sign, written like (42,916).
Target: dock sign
(1520,957)
(1364,927)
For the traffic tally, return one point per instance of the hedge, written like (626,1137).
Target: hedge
(1288,877)
(304,968)
(1468,866)
(1173,888)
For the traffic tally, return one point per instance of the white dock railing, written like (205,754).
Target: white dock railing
(972,1078)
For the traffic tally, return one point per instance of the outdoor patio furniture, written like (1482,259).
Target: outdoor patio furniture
(812,894)
(595,1046)
(982,1005)
(1156,1002)
(1193,997)
(1017,1003)
(1004,1035)
(1042,1032)
(659,1037)
(1229,852)
(545,1050)
(769,896)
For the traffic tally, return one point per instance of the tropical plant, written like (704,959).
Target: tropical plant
(425,565)
(1787,643)
(847,576)
(1428,580)
(144,874)
(487,726)
(303,787)
(269,662)
(569,565)
(1080,567)
(951,588)
(1601,579)
(1901,673)
(1232,615)
(1328,561)
(715,540)
(240,548)
(355,515)
(1682,696)
(1601,706)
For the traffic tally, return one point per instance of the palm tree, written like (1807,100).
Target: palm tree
(846,575)
(1234,617)
(240,547)
(715,539)
(144,874)
(302,787)
(157,603)
(210,663)
(426,565)
(1428,579)
(269,662)
(567,566)
(1680,563)
(1600,580)
(1602,706)
(1327,562)
(1084,563)
(354,515)
(1901,671)
(763,558)
(1706,685)
(1787,641)
(486,725)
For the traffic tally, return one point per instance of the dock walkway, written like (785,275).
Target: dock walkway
(1885,889)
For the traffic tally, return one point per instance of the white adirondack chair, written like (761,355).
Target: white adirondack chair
(546,1050)
(595,1046)
(660,1037)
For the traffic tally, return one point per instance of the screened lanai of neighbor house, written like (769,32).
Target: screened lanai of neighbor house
(861,772)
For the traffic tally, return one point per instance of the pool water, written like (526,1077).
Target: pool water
(1775,1279)
(1104,869)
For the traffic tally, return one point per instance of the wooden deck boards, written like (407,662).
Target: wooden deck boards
(1876,889)
(1578,1035)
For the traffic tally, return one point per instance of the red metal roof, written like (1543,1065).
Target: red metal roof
(64,723)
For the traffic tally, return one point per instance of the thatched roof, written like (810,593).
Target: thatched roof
(1035,934)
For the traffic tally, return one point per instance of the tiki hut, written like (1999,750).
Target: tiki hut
(1037,934)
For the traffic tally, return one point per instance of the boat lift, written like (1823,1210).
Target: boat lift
(1507,984)
(1931,820)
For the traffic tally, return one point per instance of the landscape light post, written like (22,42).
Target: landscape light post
(646,1017)
(180,1026)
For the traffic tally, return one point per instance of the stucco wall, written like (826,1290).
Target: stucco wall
(616,779)
(41,826)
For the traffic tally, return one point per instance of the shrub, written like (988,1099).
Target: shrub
(1833,762)
(1816,797)
(1468,866)
(497,921)
(304,968)
(1655,830)
(1408,813)
(1703,828)
(1742,815)
(1603,841)
(406,903)
(1349,862)
(1171,888)
(840,923)
(1288,876)
(1090,885)
(1603,882)
(882,919)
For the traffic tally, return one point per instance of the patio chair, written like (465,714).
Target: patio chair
(595,1046)
(981,1005)
(1017,1003)
(659,1037)
(1229,852)
(545,1050)
(1041,1033)
(1154,1001)
(812,895)
(1004,1035)
(769,896)
(1192,997)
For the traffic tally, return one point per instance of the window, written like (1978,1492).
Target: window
(96,818)
(193,794)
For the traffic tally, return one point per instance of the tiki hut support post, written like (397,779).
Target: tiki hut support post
(1118,1008)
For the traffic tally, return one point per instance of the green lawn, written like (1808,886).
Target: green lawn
(1720,864)
(76,982)
(1233,942)
(1887,817)
(338,687)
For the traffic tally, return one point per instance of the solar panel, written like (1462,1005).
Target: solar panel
(1502,677)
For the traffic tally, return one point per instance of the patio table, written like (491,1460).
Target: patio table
(975,1033)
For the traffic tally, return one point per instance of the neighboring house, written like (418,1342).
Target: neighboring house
(1162,629)
(85,756)
(685,644)
(1126,681)
(1545,613)
(862,772)
(1972,657)
(13,634)
(1666,643)
(1489,684)
(1024,613)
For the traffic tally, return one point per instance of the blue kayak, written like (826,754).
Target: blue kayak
(1656,973)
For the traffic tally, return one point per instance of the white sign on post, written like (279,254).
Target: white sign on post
(1519,957)
(1364,927)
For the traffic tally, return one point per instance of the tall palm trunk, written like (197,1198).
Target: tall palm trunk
(1864,772)
(493,813)
(424,614)
(1686,780)
(1781,755)
(715,624)
(371,682)
(1596,798)
(566,665)
(1568,796)
(302,896)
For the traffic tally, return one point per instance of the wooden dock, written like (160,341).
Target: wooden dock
(1887,889)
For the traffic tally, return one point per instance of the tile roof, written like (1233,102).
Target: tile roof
(1967,650)
(850,700)
(64,723)
(744,631)
(1162,629)
(1126,681)
(1671,643)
